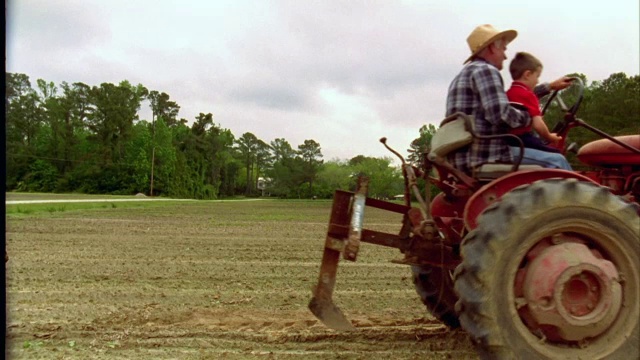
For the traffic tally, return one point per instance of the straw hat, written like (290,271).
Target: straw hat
(484,35)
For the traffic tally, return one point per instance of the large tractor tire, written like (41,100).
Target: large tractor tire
(552,271)
(435,288)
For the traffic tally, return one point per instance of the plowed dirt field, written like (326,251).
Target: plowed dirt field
(206,280)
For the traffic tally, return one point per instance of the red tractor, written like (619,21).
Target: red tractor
(533,263)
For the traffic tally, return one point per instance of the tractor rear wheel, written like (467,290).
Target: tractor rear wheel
(435,288)
(553,271)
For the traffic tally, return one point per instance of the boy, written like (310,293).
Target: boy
(525,71)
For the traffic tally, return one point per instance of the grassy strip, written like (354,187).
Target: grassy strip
(51,209)
(15,196)
(20,210)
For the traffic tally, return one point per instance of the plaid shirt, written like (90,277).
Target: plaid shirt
(478,90)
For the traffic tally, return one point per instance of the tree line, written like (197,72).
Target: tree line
(90,139)
(81,138)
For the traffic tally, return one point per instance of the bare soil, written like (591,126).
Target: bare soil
(207,280)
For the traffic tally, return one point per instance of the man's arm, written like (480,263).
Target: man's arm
(544,89)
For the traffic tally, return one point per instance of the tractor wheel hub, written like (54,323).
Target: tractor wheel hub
(571,292)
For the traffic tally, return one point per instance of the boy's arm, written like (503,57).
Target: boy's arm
(541,128)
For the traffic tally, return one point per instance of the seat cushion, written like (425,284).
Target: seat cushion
(488,168)
(449,137)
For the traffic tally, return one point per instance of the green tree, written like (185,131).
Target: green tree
(247,147)
(311,155)
(161,106)
(24,119)
(52,141)
(116,109)
(42,177)
(334,175)
(164,156)
(263,159)
(184,183)
(420,146)
(136,159)
(286,171)
(219,152)
(73,107)
(282,150)
(199,153)
(614,104)
(385,180)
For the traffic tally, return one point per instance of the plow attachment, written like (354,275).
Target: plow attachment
(344,205)
(343,238)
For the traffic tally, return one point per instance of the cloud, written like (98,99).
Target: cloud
(77,25)
(355,46)
(359,49)
(343,73)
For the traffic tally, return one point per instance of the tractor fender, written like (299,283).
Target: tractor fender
(448,207)
(493,191)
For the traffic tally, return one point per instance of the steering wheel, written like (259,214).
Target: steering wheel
(570,113)
(555,95)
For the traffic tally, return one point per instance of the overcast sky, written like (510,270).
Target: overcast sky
(341,72)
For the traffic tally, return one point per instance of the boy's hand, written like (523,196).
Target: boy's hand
(554,138)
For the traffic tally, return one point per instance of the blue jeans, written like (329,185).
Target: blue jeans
(543,158)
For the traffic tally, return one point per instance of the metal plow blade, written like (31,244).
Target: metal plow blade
(330,315)
(321,304)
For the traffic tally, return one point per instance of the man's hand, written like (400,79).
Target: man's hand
(561,83)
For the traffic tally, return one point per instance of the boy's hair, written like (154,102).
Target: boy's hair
(522,62)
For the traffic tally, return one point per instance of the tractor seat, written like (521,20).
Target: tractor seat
(456,132)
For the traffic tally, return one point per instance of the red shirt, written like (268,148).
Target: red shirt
(520,93)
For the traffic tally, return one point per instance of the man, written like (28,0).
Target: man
(478,90)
